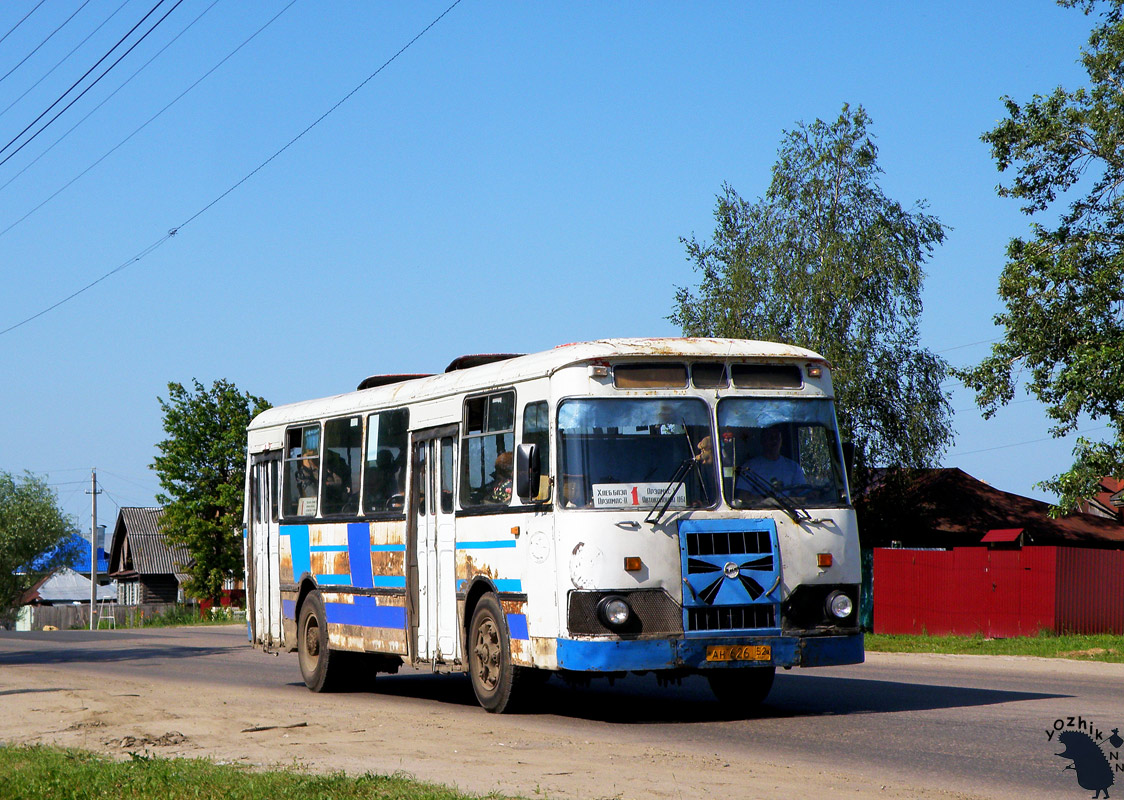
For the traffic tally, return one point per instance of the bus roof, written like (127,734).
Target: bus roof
(517,368)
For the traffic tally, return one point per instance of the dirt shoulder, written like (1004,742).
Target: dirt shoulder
(79,704)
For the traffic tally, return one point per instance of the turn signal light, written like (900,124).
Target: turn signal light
(633,564)
(823,560)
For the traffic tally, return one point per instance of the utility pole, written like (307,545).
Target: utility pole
(93,545)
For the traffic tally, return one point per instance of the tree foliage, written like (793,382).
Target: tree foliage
(1062,286)
(825,260)
(35,537)
(202,470)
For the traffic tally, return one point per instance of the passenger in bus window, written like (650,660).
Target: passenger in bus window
(338,497)
(499,490)
(777,470)
(382,481)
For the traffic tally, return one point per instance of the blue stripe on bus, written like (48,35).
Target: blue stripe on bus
(358,542)
(517,626)
(502,585)
(489,545)
(366,613)
(298,548)
(388,548)
(328,548)
(390,581)
(334,580)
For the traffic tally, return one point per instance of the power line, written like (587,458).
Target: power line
(63,60)
(49,37)
(143,125)
(25,16)
(171,233)
(88,88)
(1020,444)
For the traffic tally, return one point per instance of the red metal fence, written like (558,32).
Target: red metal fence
(999,593)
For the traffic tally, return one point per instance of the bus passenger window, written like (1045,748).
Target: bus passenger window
(536,431)
(448,446)
(486,450)
(384,482)
(343,444)
(302,471)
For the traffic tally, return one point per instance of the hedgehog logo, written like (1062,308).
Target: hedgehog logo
(1089,762)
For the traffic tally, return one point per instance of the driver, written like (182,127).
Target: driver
(771,466)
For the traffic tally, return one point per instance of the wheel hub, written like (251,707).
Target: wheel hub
(487,652)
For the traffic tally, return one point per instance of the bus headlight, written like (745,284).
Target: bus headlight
(839,605)
(614,611)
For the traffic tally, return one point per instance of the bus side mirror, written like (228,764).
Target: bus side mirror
(527,472)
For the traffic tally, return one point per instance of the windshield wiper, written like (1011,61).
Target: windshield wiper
(764,487)
(668,494)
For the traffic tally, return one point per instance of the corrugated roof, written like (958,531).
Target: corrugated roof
(950,508)
(148,547)
(67,586)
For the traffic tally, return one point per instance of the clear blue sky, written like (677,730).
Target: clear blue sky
(518,178)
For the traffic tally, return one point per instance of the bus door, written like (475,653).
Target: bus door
(263,549)
(434,546)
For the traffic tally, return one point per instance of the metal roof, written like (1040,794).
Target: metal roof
(137,537)
(67,586)
(510,370)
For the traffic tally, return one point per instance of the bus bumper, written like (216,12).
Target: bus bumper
(586,655)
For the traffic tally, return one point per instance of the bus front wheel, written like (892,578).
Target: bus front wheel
(741,689)
(321,667)
(495,679)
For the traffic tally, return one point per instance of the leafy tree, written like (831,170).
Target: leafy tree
(202,470)
(1062,286)
(825,260)
(36,538)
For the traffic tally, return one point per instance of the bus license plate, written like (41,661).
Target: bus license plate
(739,652)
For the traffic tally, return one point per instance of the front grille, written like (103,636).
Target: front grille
(654,613)
(731,618)
(744,542)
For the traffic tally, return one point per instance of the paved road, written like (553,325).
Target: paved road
(963,724)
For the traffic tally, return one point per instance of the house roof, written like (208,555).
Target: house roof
(950,508)
(66,586)
(140,546)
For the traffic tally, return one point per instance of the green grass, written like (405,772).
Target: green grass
(1100,647)
(34,773)
(181,614)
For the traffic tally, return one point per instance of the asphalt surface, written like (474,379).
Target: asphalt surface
(964,724)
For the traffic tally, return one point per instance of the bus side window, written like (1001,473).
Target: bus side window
(343,445)
(384,481)
(486,450)
(536,431)
(302,471)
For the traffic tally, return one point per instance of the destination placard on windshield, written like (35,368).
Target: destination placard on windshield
(634,495)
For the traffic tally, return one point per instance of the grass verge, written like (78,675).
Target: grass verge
(37,772)
(1100,647)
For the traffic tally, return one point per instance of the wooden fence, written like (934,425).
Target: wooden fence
(35,618)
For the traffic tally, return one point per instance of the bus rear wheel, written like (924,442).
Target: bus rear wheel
(741,689)
(495,679)
(321,667)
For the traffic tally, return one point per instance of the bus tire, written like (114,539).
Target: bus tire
(741,689)
(321,667)
(495,679)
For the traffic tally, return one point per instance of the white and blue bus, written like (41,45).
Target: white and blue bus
(677,506)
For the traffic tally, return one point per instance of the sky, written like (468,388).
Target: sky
(518,177)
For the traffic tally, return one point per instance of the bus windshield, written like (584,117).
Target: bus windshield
(771,447)
(624,453)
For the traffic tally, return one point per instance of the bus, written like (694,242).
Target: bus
(674,506)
